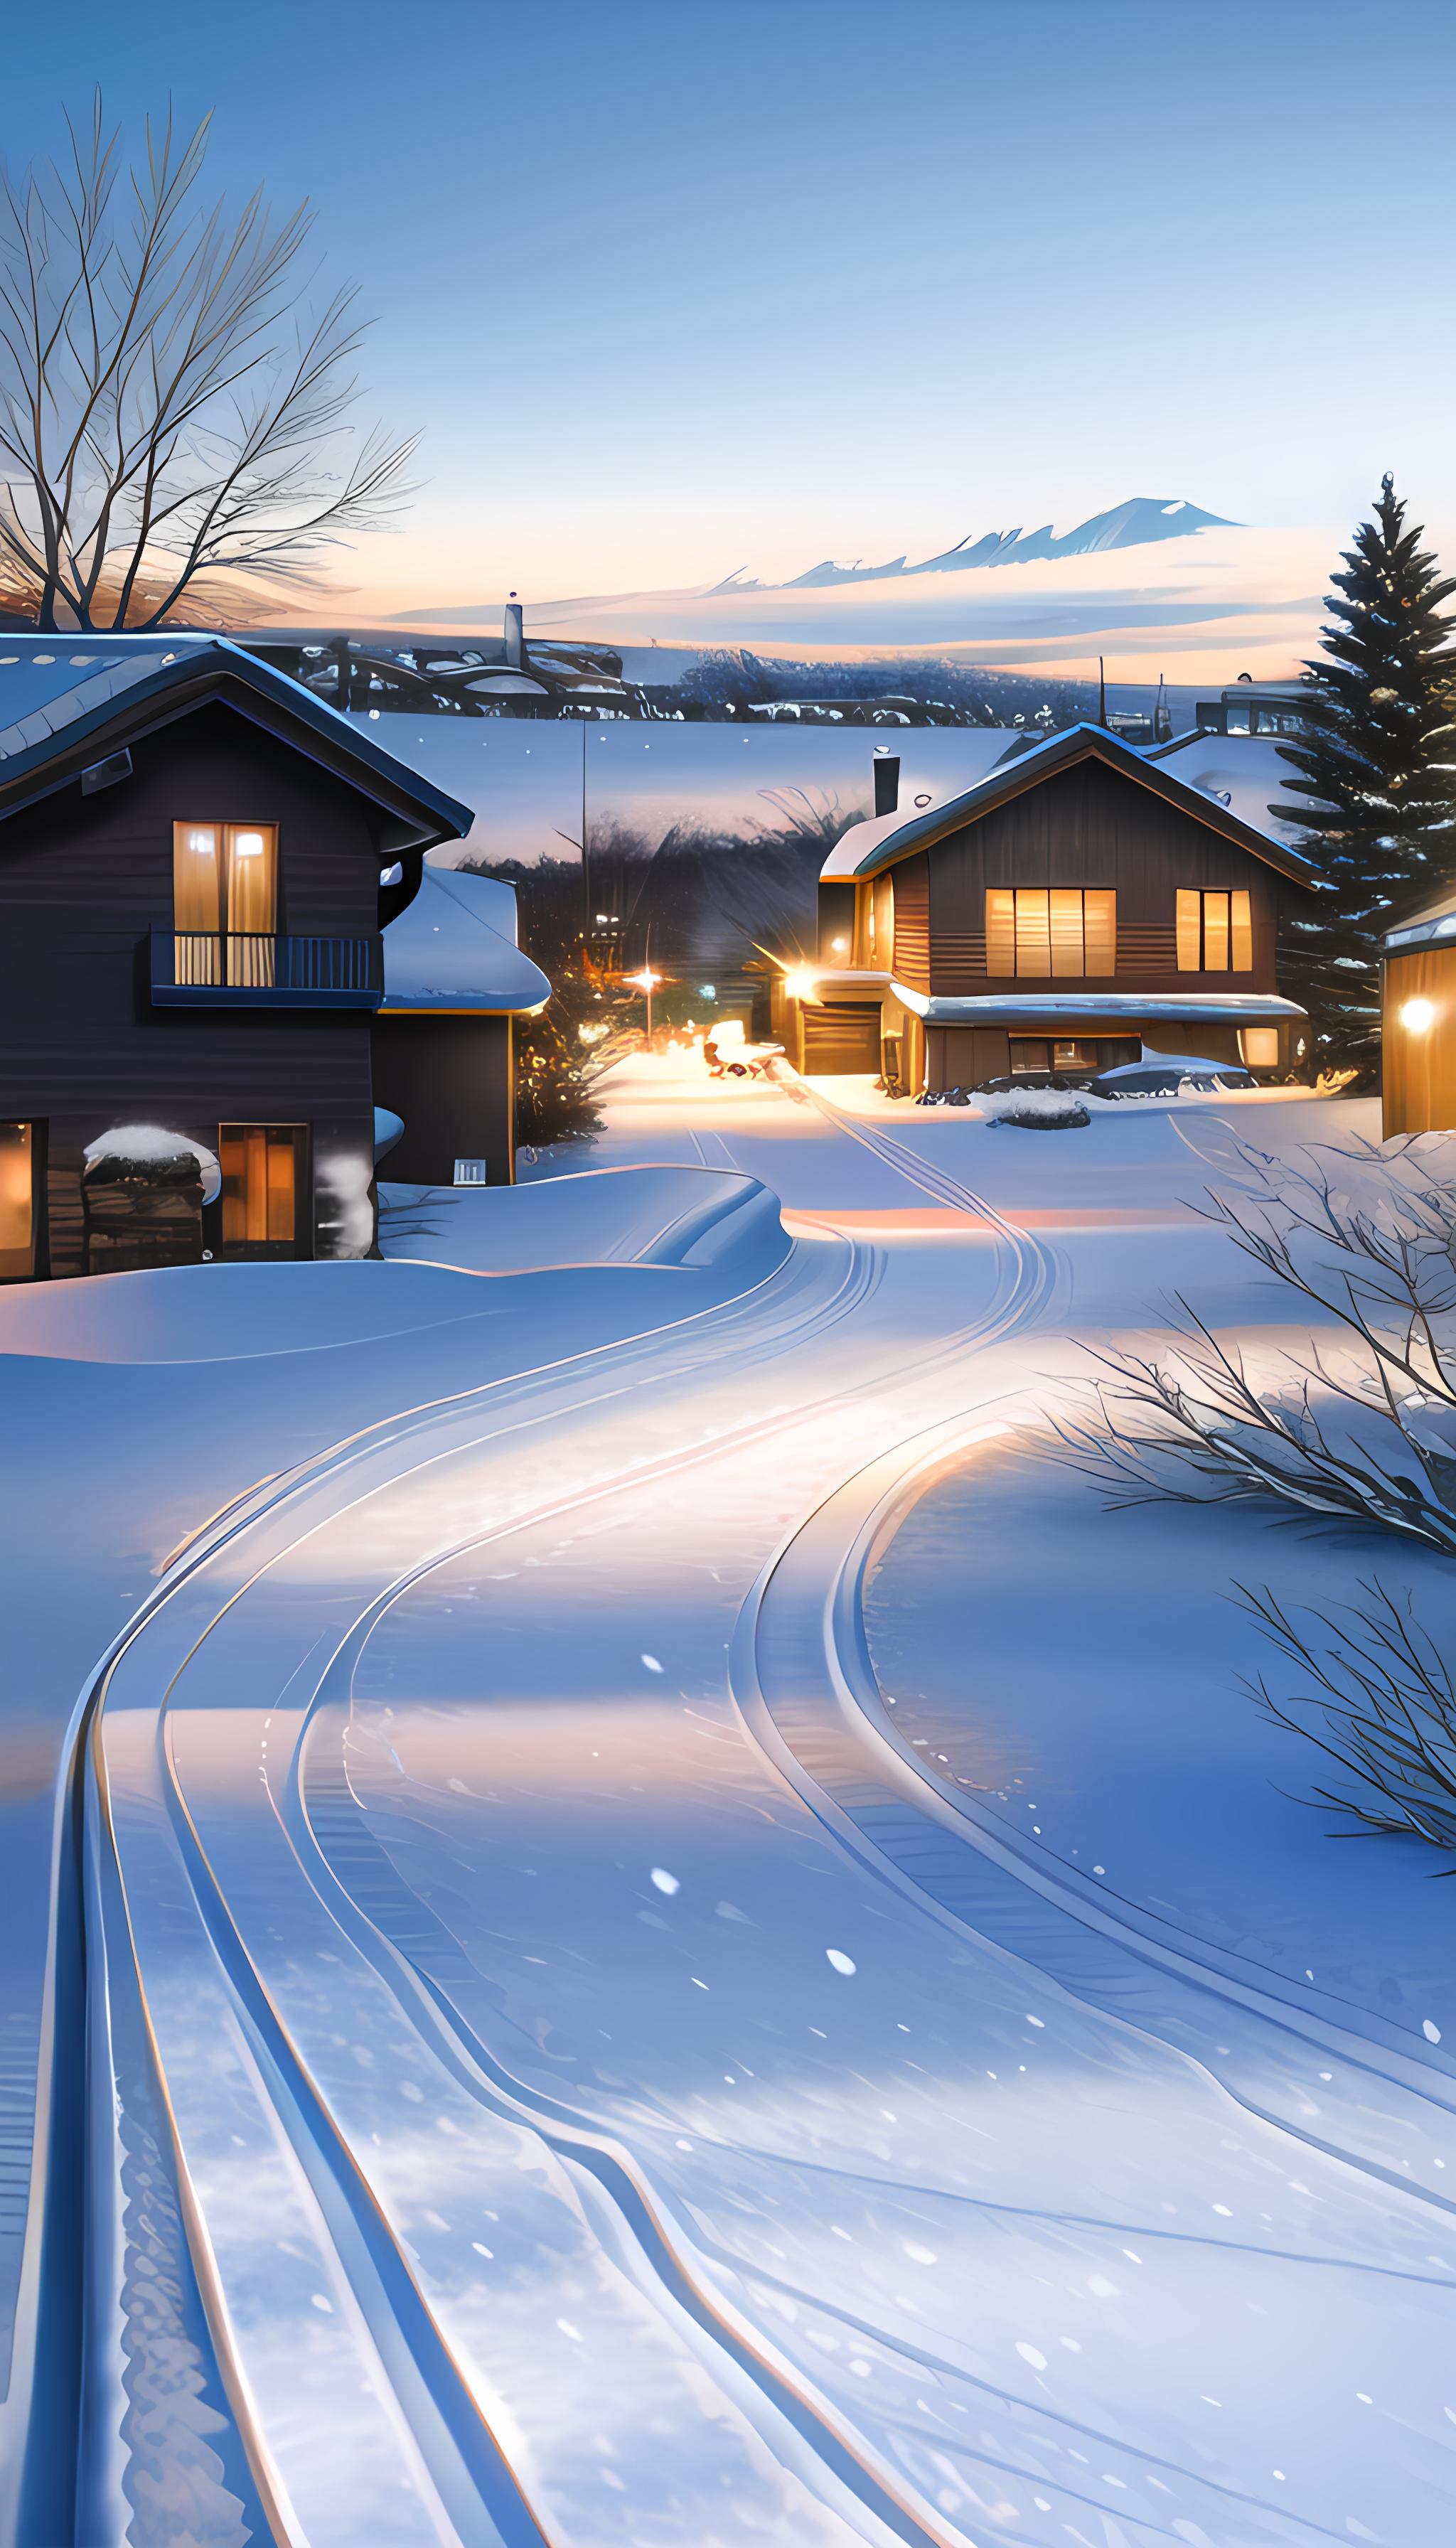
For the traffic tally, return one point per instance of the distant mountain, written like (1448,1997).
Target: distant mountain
(1131,525)
(1140,520)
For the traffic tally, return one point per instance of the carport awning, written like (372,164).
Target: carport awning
(1081,1008)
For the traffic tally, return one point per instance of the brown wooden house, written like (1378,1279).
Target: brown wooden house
(1076,907)
(1418,1020)
(196,862)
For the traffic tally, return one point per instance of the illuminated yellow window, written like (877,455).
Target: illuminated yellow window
(17,1201)
(224,901)
(259,1181)
(1000,932)
(1260,1047)
(1047,934)
(1215,933)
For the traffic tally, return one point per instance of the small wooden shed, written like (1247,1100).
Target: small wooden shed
(1419,1021)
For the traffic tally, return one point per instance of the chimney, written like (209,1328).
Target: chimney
(515,635)
(887,780)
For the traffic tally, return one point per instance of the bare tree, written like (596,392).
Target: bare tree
(173,414)
(1362,1427)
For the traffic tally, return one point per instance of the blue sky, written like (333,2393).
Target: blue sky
(674,289)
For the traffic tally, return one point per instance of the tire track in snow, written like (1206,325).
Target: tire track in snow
(801,1671)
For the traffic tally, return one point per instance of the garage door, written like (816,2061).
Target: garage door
(842,1034)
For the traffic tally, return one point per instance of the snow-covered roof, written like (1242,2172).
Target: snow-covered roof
(1248,772)
(870,847)
(454,948)
(72,699)
(978,749)
(1433,928)
(1049,1008)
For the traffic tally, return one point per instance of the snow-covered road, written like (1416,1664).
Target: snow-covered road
(565,2064)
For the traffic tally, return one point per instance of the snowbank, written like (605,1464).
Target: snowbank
(705,1218)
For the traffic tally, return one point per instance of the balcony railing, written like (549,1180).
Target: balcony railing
(248,968)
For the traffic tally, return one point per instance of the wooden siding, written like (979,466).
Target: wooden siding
(1419,1072)
(82,881)
(1091,825)
(911,960)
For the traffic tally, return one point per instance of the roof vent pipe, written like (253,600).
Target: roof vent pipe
(887,781)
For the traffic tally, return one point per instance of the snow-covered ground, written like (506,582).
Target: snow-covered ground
(685,1940)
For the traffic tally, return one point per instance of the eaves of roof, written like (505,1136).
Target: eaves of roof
(1047,760)
(219,670)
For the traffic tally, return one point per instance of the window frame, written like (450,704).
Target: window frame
(235,956)
(1028,944)
(1235,926)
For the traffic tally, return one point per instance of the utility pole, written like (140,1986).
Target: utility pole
(1100,693)
(586,845)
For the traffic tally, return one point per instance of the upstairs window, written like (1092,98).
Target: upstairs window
(1060,931)
(1215,933)
(224,901)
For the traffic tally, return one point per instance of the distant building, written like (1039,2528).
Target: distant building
(1256,708)
(1418,1020)
(395,671)
(454,984)
(196,862)
(1078,904)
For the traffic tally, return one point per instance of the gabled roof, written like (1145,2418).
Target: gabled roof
(66,702)
(891,841)
(454,948)
(1427,918)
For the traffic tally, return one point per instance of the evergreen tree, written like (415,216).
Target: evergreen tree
(1380,795)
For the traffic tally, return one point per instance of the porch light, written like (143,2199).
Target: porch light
(1417,1016)
(801,984)
(837,945)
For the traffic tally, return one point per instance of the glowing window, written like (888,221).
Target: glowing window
(1215,933)
(1062,930)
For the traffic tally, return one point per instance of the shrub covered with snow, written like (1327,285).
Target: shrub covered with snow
(149,1154)
(1036,1110)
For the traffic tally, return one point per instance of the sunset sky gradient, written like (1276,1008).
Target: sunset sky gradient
(675,290)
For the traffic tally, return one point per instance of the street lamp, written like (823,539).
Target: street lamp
(646,981)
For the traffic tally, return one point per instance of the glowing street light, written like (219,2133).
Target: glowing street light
(646,981)
(1417,1016)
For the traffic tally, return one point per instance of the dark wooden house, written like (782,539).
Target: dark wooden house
(455,982)
(196,862)
(1076,907)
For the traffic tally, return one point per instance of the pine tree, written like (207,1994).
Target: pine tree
(1380,797)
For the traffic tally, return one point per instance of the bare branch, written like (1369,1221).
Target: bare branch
(1379,1702)
(171,411)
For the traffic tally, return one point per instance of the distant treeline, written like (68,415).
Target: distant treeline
(700,901)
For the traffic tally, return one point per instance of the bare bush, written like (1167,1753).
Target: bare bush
(1382,1708)
(1360,1426)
